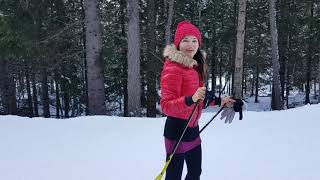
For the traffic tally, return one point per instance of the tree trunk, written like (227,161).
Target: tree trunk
(29,93)
(310,51)
(199,14)
(151,65)
(213,61)
(220,59)
(12,99)
(84,71)
(283,30)
(220,76)
(134,81)
(74,109)
(243,85)
(169,13)
(34,95)
(20,86)
(234,44)
(276,102)
(257,84)
(52,89)
(44,93)
(143,81)
(239,50)
(319,77)
(96,90)
(252,85)
(124,51)
(66,98)
(289,48)
(245,82)
(287,89)
(315,89)
(257,62)
(58,104)
(7,89)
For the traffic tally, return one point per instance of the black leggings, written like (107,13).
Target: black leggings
(193,161)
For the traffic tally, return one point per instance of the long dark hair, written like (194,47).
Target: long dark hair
(202,64)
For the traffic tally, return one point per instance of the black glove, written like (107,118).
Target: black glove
(209,98)
(237,106)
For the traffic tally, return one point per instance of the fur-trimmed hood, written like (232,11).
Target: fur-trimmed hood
(173,54)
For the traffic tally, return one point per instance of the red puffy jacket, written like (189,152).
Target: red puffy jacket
(179,79)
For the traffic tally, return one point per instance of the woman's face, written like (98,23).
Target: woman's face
(189,45)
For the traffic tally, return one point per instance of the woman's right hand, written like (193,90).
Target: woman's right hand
(227,101)
(199,94)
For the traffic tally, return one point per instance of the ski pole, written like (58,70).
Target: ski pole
(212,119)
(159,177)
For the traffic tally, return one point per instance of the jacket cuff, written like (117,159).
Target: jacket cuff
(189,100)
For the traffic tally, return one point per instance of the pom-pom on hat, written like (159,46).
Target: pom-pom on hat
(185,28)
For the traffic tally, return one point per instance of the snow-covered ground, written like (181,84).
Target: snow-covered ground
(265,145)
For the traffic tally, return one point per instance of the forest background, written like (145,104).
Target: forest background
(66,58)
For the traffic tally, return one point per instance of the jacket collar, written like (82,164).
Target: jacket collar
(173,54)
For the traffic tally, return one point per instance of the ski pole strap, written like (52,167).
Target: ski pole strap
(210,96)
(237,106)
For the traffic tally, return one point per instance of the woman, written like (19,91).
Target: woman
(182,84)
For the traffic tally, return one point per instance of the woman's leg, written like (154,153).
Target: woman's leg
(193,160)
(174,170)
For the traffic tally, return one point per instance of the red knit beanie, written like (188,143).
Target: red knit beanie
(185,28)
